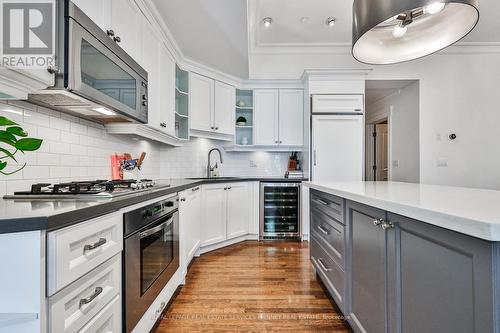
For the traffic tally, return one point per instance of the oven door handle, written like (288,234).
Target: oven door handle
(154,230)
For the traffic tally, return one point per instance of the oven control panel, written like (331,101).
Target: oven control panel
(136,219)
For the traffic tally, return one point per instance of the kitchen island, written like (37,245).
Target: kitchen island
(400,257)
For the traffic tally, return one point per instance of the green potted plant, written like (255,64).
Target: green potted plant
(14,139)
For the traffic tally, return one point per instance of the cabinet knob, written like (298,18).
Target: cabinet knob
(163,125)
(110,32)
(52,69)
(144,103)
(281,141)
(183,199)
(377,222)
(387,225)
(216,128)
(117,39)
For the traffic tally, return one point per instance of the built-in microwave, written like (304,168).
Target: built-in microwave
(95,77)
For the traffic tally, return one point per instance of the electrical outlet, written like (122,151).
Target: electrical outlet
(395,164)
(253,164)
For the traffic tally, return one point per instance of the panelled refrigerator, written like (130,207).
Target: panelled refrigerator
(337,138)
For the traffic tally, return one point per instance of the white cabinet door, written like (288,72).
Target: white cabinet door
(98,11)
(201,95)
(151,63)
(266,116)
(167,94)
(189,224)
(213,227)
(343,135)
(238,209)
(291,117)
(225,96)
(126,23)
(337,104)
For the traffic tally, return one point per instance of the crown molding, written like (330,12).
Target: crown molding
(335,74)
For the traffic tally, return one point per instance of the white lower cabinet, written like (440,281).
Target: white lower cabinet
(189,224)
(226,212)
(108,320)
(73,307)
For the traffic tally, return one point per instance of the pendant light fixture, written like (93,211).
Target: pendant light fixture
(393,31)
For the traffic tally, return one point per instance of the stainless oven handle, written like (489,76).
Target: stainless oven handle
(154,230)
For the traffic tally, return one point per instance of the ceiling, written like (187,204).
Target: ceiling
(213,32)
(216,32)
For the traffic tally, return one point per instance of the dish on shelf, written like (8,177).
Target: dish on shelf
(241,121)
(240,103)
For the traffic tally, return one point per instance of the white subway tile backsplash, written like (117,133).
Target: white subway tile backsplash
(76,149)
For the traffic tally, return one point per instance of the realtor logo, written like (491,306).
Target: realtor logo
(28,33)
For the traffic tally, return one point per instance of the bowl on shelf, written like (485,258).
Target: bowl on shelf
(240,103)
(241,121)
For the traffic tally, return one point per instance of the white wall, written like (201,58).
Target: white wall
(402,108)
(458,94)
(76,149)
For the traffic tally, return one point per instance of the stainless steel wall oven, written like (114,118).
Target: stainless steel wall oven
(151,256)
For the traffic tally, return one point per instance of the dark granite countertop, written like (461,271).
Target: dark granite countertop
(18,215)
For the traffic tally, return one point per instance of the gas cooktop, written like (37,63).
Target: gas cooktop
(87,189)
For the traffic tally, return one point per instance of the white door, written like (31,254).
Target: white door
(98,11)
(151,63)
(291,117)
(266,116)
(126,23)
(381,152)
(213,226)
(225,96)
(337,148)
(201,96)
(238,209)
(167,95)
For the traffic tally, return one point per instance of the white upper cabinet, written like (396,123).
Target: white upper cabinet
(151,63)
(98,11)
(212,108)
(225,100)
(266,116)
(279,117)
(167,91)
(201,94)
(291,117)
(126,24)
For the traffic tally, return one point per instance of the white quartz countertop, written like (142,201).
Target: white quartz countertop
(474,212)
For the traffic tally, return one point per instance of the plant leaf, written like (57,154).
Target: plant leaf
(8,153)
(28,144)
(6,122)
(7,136)
(9,142)
(3,165)
(16,130)
(13,172)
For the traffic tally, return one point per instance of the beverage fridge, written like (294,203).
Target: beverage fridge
(280,211)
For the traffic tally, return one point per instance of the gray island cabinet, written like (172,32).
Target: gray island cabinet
(401,275)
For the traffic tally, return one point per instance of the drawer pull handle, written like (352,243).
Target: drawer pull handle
(323,230)
(100,242)
(97,292)
(323,267)
(323,202)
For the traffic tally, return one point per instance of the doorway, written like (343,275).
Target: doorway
(381,151)
(392,139)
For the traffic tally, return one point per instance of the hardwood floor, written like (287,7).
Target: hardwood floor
(253,287)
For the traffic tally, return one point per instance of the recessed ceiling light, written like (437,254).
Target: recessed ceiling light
(304,19)
(104,111)
(267,22)
(330,21)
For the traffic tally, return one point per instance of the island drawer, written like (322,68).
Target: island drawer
(332,275)
(76,250)
(330,234)
(329,204)
(74,306)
